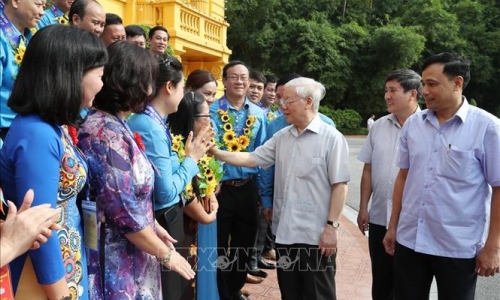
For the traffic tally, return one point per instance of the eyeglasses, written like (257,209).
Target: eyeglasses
(283,102)
(235,78)
(202,116)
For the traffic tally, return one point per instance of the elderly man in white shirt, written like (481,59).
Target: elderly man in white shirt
(312,170)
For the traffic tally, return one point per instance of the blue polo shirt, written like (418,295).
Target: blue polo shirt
(258,132)
(50,17)
(8,73)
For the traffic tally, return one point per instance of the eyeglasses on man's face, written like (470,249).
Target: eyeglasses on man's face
(288,101)
(235,78)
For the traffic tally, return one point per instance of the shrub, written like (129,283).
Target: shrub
(347,121)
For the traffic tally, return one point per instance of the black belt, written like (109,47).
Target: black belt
(238,182)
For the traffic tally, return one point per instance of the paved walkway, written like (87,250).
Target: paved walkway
(353,276)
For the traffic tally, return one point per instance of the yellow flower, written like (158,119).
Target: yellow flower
(225,118)
(221,112)
(175,147)
(228,127)
(181,153)
(19,54)
(233,146)
(208,172)
(204,160)
(246,131)
(244,141)
(271,116)
(33,30)
(62,20)
(177,138)
(250,120)
(228,137)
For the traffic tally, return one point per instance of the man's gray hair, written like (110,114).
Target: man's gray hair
(307,87)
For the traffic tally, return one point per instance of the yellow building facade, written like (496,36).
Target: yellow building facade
(198,31)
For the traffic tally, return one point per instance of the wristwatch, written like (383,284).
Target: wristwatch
(334,224)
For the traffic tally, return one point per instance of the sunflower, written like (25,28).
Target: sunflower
(221,112)
(244,141)
(233,146)
(19,54)
(250,120)
(177,138)
(246,131)
(181,153)
(204,160)
(33,30)
(271,116)
(225,118)
(62,20)
(228,127)
(208,172)
(175,147)
(229,137)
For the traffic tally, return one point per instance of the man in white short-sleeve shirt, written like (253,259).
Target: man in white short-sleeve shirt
(311,161)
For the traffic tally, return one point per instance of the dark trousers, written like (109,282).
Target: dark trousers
(382,266)
(264,241)
(173,284)
(413,273)
(236,229)
(304,274)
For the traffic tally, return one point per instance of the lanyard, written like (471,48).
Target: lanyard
(151,112)
(11,33)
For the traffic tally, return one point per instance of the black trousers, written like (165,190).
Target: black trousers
(236,229)
(382,265)
(264,241)
(413,273)
(304,274)
(173,284)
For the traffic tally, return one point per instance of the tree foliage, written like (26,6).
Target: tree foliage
(351,45)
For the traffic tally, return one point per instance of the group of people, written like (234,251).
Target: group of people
(121,159)
(433,177)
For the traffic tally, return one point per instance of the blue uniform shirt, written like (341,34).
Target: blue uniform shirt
(8,73)
(51,17)
(258,132)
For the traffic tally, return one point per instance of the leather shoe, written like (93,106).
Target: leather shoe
(265,265)
(245,292)
(257,272)
(253,279)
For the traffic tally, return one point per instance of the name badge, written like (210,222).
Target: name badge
(90,224)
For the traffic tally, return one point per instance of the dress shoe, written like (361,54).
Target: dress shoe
(271,255)
(265,265)
(245,292)
(257,272)
(253,279)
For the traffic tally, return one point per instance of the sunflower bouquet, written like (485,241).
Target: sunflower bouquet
(64,20)
(209,174)
(230,140)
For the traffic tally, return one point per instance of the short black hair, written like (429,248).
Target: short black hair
(49,82)
(454,65)
(113,19)
(258,76)
(270,78)
(156,28)
(79,7)
(182,121)
(285,79)
(232,64)
(134,30)
(408,79)
(170,69)
(128,78)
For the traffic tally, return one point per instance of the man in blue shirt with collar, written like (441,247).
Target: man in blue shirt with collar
(240,126)
(56,14)
(447,188)
(13,41)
